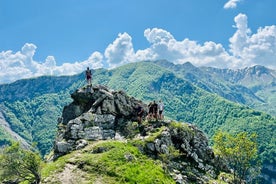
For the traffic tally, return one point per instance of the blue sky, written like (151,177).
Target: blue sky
(62,37)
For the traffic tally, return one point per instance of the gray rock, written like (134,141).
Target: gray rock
(62,147)
(129,157)
(81,144)
(151,147)
(164,149)
(93,133)
(100,114)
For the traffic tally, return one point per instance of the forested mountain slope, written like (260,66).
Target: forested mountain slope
(32,106)
(252,86)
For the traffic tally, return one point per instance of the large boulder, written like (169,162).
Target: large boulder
(96,113)
(100,100)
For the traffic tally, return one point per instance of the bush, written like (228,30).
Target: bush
(19,165)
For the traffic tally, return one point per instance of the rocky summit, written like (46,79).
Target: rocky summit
(95,114)
(100,114)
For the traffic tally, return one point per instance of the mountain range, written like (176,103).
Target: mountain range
(210,98)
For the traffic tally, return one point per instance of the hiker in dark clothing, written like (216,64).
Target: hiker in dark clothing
(155,109)
(160,110)
(150,111)
(88,75)
(140,112)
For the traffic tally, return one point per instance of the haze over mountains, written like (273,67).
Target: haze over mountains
(213,99)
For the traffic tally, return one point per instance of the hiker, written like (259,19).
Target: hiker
(155,109)
(160,110)
(150,111)
(88,75)
(140,112)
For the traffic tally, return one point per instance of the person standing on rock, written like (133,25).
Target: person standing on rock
(155,109)
(140,112)
(150,114)
(160,109)
(88,75)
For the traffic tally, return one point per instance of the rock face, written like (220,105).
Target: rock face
(100,114)
(188,157)
(95,114)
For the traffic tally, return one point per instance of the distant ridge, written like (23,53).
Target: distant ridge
(190,94)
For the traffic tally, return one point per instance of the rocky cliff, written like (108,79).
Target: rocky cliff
(101,114)
(95,114)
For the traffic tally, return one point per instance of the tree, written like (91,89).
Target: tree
(241,153)
(18,165)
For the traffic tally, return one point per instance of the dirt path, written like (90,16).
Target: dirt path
(70,175)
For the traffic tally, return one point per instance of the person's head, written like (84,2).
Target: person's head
(87,68)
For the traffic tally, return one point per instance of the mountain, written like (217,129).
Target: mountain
(31,107)
(100,139)
(252,86)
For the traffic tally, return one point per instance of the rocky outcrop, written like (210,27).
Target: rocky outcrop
(101,114)
(185,150)
(101,100)
(96,113)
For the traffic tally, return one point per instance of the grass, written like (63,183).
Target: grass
(223,178)
(54,167)
(119,162)
(155,135)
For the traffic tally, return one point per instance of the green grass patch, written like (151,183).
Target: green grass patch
(156,134)
(182,127)
(50,168)
(121,163)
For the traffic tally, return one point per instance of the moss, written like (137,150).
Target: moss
(183,127)
(223,178)
(156,134)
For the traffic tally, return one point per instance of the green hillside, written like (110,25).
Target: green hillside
(32,106)
(252,86)
(185,102)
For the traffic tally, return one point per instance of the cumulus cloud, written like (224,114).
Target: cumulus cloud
(165,46)
(14,66)
(120,51)
(245,49)
(231,4)
(251,49)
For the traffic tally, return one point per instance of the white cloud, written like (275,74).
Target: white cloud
(251,49)
(164,46)
(14,66)
(120,51)
(231,4)
(245,49)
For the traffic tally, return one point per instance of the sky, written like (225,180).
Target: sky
(63,37)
